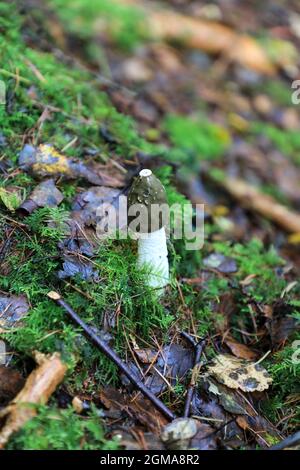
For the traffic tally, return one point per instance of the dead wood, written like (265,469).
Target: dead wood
(37,390)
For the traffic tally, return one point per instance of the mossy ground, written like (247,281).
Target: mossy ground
(77,108)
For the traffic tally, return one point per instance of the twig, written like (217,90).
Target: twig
(110,353)
(199,347)
(288,442)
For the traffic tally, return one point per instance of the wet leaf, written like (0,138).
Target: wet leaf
(280,329)
(46,161)
(44,195)
(240,350)
(12,310)
(89,202)
(139,409)
(261,429)
(74,266)
(239,374)
(222,263)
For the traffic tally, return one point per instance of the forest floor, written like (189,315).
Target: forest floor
(201,93)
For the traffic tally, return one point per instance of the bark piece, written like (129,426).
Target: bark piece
(38,388)
(251,198)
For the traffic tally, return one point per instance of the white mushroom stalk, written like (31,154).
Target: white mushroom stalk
(148,193)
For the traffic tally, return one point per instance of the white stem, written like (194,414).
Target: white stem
(153,252)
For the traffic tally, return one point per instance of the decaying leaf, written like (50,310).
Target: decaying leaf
(240,350)
(12,309)
(38,388)
(44,195)
(222,263)
(87,204)
(138,408)
(171,365)
(44,160)
(239,374)
(74,266)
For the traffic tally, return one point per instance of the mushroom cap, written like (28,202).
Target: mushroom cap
(145,193)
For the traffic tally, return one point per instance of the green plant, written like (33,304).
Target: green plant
(57,429)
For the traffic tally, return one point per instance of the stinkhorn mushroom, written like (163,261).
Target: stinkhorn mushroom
(147,197)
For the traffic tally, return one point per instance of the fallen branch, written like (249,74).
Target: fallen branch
(289,442)
(110,353)
(199,348)
(37,390)
(209,36)
(251,198)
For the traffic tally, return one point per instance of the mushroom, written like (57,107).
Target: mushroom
(147,197)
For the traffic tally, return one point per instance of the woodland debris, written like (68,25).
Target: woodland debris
(110,353)
(209,36)
(177,434)
(137,408)
(199,348)
(11,383)
(236,373)
(240,350)
(44,161)
(222,263)
(168,366)
(38,388)
(74,266)
(44,195)
(13,309)
(252,198)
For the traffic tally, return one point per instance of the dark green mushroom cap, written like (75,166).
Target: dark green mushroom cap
(145,192)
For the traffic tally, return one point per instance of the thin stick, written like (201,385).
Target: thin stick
(290,441)
(110,353)
(199,347)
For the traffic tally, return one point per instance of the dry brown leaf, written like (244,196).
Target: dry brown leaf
(239,374)
(44,160)
(240,350)
(44,194)
(38,388)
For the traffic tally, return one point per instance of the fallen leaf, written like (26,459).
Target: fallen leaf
(138,408)
(74,266)
(239,374)
(44,160)
(44,195)
(261,429)
(222,263)
(12,310)
(240,350)
(280,329)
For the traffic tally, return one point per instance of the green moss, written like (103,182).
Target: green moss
(254,258)
(278,91)
(123,22)
(55,429)
(286,141)
(206,141)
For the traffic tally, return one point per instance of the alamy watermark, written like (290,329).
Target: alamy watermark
(2,92)
(182,222)
(296,93)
